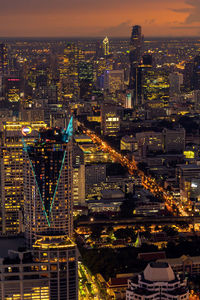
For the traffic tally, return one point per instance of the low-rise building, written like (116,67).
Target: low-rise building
(158,281)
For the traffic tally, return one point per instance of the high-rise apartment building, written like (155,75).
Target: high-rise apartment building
(11,175)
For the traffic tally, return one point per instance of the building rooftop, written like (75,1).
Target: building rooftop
(159,271)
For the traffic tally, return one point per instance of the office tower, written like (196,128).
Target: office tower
(174,140)
(128,99)
(3,59)
(47,272)
(188,75)
(135,58)
(110,120)
(114,80)
(69,72)
(48,185)
(85,78)
(12,89)
(196,73)
(99,50)
(155,85)
(100,66)
(106,46)
(11,175)
(147,60)
(149,141)
(175,82)
(158,281)
(78,176)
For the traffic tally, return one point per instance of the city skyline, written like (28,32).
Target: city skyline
(75,19)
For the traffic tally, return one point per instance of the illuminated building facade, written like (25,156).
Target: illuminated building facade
(114,80)
(158,281)
(110,120)
(12,88)
(106,46)
(3,59)
(155,85)
(48,272)
(85,78)
(69,85)
(11,158)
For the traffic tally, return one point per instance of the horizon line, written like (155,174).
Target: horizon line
(95,37)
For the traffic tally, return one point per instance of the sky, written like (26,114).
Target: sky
(84,18)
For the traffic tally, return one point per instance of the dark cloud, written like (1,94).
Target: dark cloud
(193,11)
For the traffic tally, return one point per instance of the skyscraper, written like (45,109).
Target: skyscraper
(135,57)
(69,85)
(106,46)
(49,210)
(48,184)
(3,59)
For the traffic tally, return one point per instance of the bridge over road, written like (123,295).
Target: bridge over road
(173,220)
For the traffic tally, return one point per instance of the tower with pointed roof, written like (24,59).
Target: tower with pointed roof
(48,184)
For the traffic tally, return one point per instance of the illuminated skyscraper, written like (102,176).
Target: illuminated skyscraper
(48,184)
(106,46)
(85,78)
(69,85)
(11,175)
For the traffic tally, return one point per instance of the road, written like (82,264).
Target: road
(88,287)
(148,182)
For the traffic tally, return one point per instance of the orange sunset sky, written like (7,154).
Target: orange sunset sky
(65,18)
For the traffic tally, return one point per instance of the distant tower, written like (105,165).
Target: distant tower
(106,46)
(135,58)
